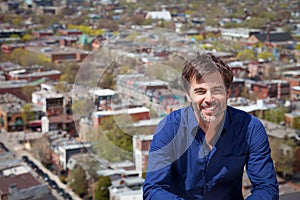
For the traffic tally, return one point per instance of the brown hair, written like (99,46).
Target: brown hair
(202,65)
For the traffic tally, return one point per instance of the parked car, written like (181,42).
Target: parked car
(25,158)
(46,177)
(53,184)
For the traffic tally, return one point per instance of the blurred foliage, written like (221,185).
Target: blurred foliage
(284,156)
(275,115)
(102,192)
(78,181)
(246,54)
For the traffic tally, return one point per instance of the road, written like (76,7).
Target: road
(11,141)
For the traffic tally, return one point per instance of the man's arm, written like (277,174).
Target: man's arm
(260,168)
(161,157)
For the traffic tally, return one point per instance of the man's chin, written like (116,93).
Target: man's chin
(208,118)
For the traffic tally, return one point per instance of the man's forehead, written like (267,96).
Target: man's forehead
(212,78)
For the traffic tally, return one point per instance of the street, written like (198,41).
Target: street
(11,141)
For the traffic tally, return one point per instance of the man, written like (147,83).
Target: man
(200,152)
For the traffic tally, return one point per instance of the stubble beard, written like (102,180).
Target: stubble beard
(208,118)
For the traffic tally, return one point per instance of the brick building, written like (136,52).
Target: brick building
(60,54)
(141,146)
(271,89)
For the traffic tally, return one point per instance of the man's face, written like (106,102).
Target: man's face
(209,98)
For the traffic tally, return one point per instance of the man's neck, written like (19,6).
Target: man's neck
(213,130)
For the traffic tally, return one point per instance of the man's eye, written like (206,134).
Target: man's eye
(200,92)
(217,91)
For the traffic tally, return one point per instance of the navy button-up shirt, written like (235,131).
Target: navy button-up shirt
(181,166)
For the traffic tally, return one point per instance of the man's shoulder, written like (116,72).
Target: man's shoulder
(237,114)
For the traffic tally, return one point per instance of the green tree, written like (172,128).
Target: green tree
(27,114)
(275,115)
(265,55)
(69,72)
(40,148)
(284,156)
(246,54)
(79,182)
(27,37)
(102,192)
(27,92)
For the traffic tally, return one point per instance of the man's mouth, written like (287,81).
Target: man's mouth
(209,107)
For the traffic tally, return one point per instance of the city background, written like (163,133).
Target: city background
(83,84)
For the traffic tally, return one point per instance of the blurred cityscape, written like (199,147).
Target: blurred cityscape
(84,83)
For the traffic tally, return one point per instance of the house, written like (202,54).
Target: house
(141,147)
(239,69)
(292,119)
(9,48)
(126,188)
(97,42)
(238,34)
(60,54)
(295,93)
(42,33)
(275,39)
(135,114)
(70,32)
(102,98)
(139,86)
(22,186)
(237,87)
(6,32)
(271,89)
(169,99)
(160,15)
(65,122)
(25,74)
(11,108)
(67,150)
(51,102)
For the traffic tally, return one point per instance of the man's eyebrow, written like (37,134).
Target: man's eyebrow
(199,89)
(218,87)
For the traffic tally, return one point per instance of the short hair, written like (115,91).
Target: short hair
(203,64)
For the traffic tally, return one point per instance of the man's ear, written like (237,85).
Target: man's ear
(188,97)
(228,93)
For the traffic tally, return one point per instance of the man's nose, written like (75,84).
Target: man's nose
(209,96)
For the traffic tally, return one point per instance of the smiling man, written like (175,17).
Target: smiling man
(200,151)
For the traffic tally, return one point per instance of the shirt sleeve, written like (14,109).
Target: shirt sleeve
(158,176)
(260,168)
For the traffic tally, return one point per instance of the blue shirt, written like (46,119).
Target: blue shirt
(180,166)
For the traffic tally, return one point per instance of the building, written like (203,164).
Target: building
(126,188)
(70,32)
(22,186)
(237,87)
(237,34)
(139,87)
(102,98)
(51,102)
(134,114)
(239,69)
(8,48)
(42,33)
(60,54)
(292,119)
(271,89)
(141,146)
(273,38)
(295,93)
(67,150)
(11,108)
(24,74)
